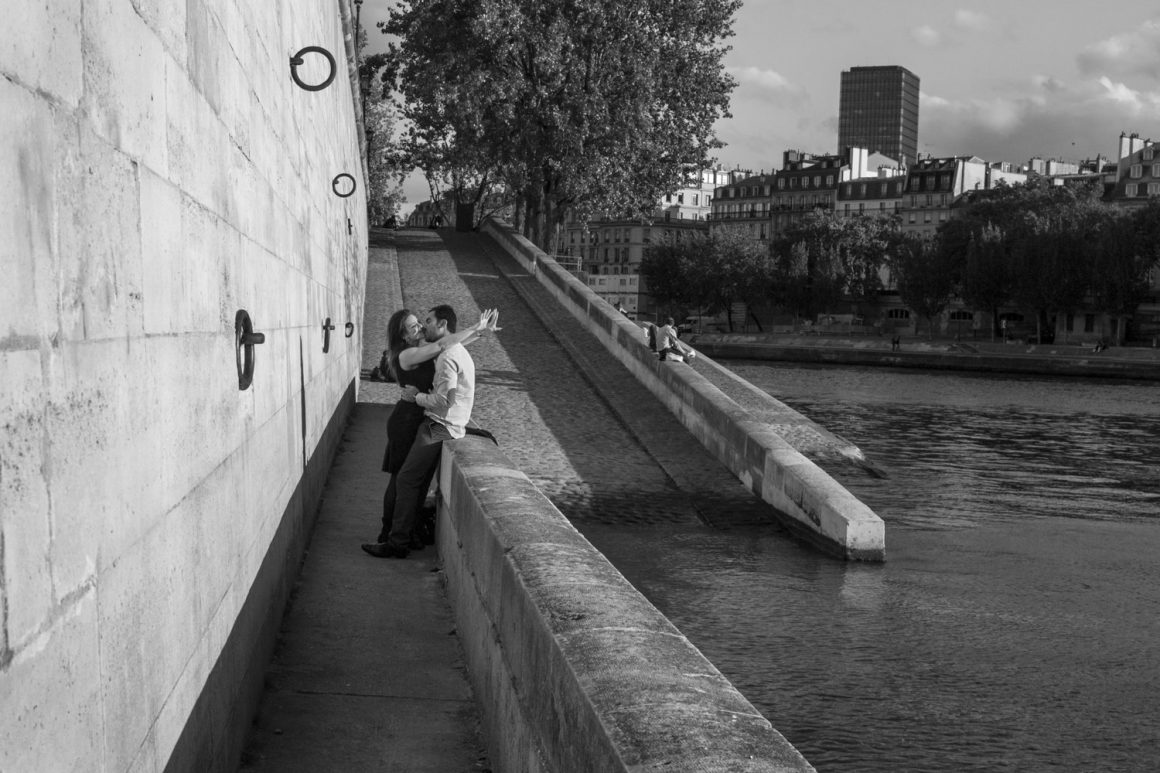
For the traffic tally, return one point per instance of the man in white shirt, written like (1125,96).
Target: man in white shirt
(448,409)
(669,344)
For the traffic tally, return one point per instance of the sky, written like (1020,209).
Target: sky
(1004,80)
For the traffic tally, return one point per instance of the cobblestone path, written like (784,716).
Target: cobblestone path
(595,441)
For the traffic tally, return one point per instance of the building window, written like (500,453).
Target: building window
(829,180)
(1137,170)
(1089,323)
(818,181)
(793,181)
(1130,190)
(781,183)
(961,315)
(912,218)
(1147,154)
(1156,170)
(898,314)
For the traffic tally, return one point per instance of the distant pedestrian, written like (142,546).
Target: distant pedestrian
(895,343)
(669,344)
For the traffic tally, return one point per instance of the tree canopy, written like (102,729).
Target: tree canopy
(824,258)
(590,105)
(708,272)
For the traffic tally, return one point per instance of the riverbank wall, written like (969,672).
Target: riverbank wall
(812,504)
(1044,360)
(574,668)
(164,174)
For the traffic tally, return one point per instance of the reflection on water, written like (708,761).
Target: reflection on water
(1016,622)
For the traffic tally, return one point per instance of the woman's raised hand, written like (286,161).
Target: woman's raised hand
(494,318)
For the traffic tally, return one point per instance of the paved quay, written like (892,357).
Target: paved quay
(368,674)
(1062,359)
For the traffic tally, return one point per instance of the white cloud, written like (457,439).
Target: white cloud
(970,20)
(1055,119)
(1135,53)
(1118,92)
(926,36)
(766,79)
(929,100)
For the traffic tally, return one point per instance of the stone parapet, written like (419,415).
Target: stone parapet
(811,502)
(577,671)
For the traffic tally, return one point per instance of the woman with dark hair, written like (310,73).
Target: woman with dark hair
(412,364)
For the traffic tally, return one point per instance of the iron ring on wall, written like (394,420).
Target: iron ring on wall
(244,340)
(297,60)
(334,185)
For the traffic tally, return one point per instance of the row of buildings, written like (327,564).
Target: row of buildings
(876,170)
(923,195)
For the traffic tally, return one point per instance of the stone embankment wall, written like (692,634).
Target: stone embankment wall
(813,504)
(162,171)
(574,669)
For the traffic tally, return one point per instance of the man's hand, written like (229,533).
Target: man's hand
(409,393)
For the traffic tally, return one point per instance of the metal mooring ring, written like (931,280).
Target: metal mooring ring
(349,329)
(244,340)
(334,185)
(297,60)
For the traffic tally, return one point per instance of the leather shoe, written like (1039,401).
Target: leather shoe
(384,550)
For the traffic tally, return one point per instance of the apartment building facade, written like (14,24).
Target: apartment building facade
(607,252)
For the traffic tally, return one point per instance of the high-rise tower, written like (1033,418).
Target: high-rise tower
(878,110)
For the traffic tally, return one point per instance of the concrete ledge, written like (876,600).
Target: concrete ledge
(814,505)
(574,669)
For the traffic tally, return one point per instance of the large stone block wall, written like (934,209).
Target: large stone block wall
(812,503)
(161,171)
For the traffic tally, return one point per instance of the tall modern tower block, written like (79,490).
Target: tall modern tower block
(878,110)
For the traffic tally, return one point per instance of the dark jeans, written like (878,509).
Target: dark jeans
(407,488)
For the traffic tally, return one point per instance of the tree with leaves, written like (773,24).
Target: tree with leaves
(667,270)
(384,178)
(984,280)
(733,268)
(1122,262)
(823,259)
(587,105)
(924,275)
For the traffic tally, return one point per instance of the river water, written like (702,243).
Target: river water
(1016,622)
